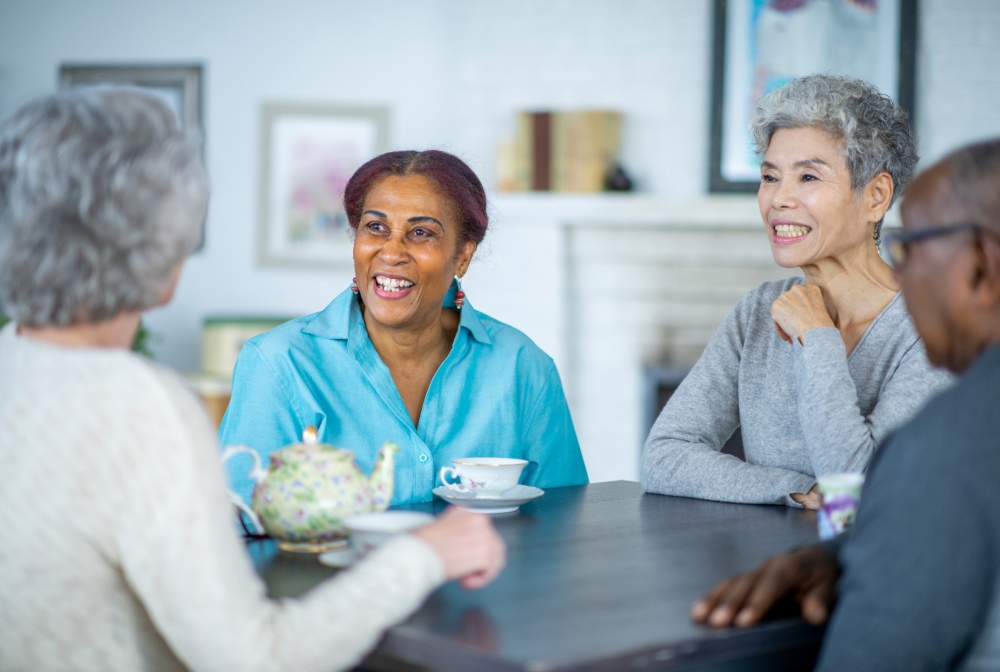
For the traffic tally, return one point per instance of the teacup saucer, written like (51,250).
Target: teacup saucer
(505,502)
(340,558)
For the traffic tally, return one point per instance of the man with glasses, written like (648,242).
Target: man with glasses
(917,580)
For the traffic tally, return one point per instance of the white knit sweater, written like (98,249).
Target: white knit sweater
(117,544)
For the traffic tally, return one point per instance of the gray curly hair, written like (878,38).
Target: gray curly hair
(874,130)
(101,197)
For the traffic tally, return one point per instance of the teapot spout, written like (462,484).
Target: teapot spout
(383,477)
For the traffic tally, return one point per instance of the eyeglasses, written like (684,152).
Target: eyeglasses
(897,243)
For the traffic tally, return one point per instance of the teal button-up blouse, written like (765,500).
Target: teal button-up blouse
(496,394)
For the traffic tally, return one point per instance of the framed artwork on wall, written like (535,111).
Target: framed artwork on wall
(179,85)
(760,45)
(308,153)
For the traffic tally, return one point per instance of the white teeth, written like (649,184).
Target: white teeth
(392,284)
(790,230)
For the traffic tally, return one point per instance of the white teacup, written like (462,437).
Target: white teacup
(483,476)
(370,530)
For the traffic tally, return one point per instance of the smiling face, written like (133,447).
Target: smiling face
(407,250)
(806,200)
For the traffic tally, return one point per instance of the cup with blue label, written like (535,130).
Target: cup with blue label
(841,494)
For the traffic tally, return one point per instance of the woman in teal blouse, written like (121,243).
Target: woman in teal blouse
(402,355)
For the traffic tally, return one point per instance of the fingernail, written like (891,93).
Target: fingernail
(720,616)
(745,617)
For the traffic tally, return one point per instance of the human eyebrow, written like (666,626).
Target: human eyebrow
(424,218)
(374,212)
(805,163)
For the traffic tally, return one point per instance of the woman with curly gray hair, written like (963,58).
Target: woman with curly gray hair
(127,556)
(817,370)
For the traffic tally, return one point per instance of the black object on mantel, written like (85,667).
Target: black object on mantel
(598,577)
(618,179)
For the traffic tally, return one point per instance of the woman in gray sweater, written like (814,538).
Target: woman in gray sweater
(815,371)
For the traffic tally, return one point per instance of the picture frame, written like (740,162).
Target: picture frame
(308,153)
(761,44)
(179,85)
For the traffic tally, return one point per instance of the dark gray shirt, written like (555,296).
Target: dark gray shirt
(920,582)
(803,410)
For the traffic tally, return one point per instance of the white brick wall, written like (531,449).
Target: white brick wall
(958,74)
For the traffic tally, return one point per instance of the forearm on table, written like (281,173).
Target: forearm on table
(672,467)
(340,621)
(223,620)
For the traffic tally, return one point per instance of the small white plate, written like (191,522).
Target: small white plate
(340,558)
(503,503)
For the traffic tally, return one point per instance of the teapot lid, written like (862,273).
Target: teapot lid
(310,447)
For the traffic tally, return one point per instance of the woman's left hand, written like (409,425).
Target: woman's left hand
(798,310)
(809,500)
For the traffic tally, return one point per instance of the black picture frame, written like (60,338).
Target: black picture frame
(178,84)
(719,179)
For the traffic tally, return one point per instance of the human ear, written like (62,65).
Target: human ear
(985,280)
(167,292)
(878,195)
(464,257)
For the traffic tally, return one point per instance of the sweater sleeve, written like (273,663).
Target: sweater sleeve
(838,437)
(683,452)
(183,559)
(918,568)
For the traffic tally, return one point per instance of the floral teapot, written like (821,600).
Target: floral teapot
(309,488)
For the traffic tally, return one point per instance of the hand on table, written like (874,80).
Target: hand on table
(469,547)
(798,310)
(808,574)
(809,500)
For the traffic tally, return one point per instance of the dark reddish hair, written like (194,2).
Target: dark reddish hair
(455,179)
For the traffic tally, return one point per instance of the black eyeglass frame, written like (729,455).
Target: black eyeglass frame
(900,240)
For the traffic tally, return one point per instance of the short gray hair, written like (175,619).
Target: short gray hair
(875,132)
(101,197)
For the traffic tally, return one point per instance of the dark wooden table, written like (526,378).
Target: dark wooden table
(598,577)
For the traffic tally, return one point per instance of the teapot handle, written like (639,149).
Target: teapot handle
(257,473)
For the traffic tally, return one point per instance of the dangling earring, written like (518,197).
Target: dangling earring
(459,295)
(878,238)
(354,285)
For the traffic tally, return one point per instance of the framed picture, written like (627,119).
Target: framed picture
(178,85)
(308,153)
(760,45)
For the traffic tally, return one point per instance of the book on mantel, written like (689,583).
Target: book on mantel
(562,151)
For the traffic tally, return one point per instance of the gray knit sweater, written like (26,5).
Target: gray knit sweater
(803,410)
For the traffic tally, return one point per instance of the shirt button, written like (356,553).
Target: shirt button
(423,458)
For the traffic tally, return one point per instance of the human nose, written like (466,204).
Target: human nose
(784,195)
(394,251)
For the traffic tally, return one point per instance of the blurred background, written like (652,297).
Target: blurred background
(621,289)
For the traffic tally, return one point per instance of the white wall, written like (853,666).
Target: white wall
(452,73)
